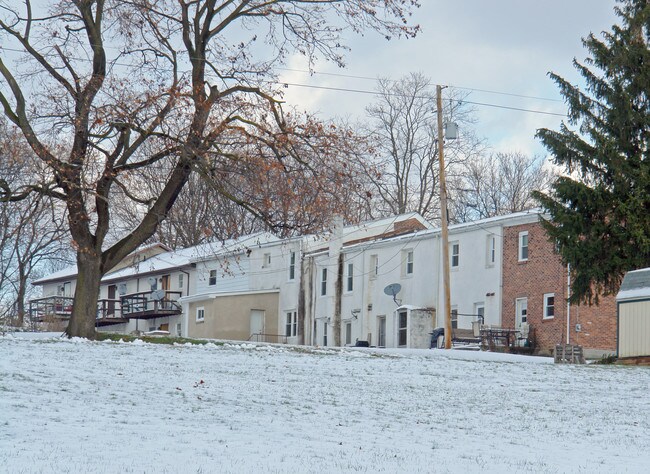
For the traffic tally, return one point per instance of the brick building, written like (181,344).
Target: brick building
(534,291)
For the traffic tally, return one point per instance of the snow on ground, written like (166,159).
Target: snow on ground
(79,406)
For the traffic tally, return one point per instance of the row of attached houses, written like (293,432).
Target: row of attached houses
(377,283)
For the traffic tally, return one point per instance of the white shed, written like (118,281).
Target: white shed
(633,303)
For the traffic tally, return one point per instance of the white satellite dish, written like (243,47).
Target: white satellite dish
(153,281)
(157,295)
(392,290)
(121,288)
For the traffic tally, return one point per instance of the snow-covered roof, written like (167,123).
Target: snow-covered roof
(636,285)
(71,271)
(173,259)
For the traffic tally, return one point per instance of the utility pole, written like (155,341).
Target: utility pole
(443,218)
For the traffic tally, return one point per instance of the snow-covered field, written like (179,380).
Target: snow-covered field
(86,407)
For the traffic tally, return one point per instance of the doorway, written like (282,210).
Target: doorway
(257,321)
(110,307)
(521,315)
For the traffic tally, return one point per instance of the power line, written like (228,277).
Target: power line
(482,104)
(374,79)
(368,92)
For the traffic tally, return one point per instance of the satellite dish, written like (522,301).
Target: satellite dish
(152,282)
(121,288)
(157,295)
(392,290)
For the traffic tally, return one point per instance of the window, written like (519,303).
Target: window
(292,265)
(350,278)
(549,305)
(180,280)
(325,333)
(266,261)
(455,254)
(374,266)
(454,319)
(491,250)
(179,329)
(200,314)
(323,282)
(408,262)
(348,333)
(291,328)
(402,328)
(213,278)
(523,246)
(480,313)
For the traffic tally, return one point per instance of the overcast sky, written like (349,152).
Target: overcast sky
(499,45)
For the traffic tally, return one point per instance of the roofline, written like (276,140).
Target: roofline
(210,296)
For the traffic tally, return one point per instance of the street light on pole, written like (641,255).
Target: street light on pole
(452,133)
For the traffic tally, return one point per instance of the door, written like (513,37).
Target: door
(110,307)
(381,331)
(521,308)
(257,322)
(165,286)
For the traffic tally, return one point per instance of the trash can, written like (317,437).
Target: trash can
(437,338)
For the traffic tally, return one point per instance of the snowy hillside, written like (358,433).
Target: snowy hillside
(78,406)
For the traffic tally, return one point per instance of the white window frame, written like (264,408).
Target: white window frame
(478,308)
(402,330)
(547,296)
(212,278)
(454,318)
(200,314)
(349,280)
(292,265)
(409,264)
(266,260)
(348,333)
(180,280)
(491,254)
(452,254)
(374,266)
(520,252)
(323,281)
(291,324)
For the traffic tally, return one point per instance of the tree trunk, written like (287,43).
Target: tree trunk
(84,310)
(20,301)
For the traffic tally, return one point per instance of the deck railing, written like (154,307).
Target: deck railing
(60,306)
(127,306)
(142,303)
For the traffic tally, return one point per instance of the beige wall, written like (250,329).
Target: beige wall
(228,317)
(634,329)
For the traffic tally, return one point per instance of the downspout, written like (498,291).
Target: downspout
(186,308)
(188,282)
(338,301)
(568,303)
(301,299)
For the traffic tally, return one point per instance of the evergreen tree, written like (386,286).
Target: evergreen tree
(600,210)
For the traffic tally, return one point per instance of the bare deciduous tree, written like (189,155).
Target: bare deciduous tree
(498,184)
(172,87)
(404,132)
(33,233)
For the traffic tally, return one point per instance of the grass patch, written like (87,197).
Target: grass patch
(169,340)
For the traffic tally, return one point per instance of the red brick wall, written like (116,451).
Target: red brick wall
(543,273)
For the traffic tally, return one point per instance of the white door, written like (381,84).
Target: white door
(521,316)
(381,331)
(257,321)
